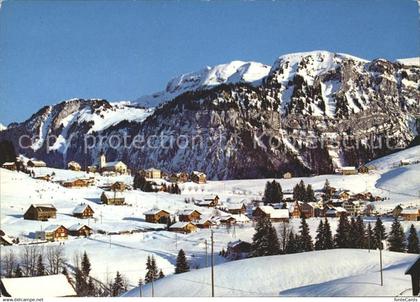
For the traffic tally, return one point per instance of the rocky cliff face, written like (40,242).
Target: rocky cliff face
(310,113)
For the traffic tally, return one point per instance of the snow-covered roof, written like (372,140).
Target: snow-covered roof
(348,168)
(113,164)
(52,228)
(152,170)
(80,209)
(410,211)
(275,213)
(204,220)
(113,194)
(9,163)
(154,212)
(187,212)
(235,206)
(204,202)
(241,218)
(77,226)
(179,225)
(44,205)
(39,287)
(7,239)
(198,173)
(340,209)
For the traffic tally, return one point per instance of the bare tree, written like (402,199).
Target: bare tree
(28,259)
(8,264)
(55,258)
(283,234)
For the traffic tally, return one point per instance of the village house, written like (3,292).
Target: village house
(53,233)
(189,215)
(238,250)
(342,194)
(114,166)
(227,220)
(334,211)
(9,166)
(287,175)
(152,173)
(74,166)
(182,177)
(118,186)
(275,215)
(411,214)
(157,216)
(112,198)
(83,211)
(80,230)
(91,169)
(36,163)
(363,169)
(208,201)
(205,223)
(76,183)
(302,208)
(354,207)
(40,212)
(198,177)
(50,286)
(396,212)
(183,227)
(4,239)
(236,208)
(350,170)
(46,177)
(404,162)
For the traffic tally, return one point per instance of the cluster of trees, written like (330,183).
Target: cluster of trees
(7,152)
(33,261)
(350,234)
(152,271)
(141,183)
(273,192)
(303,193)
(84,284)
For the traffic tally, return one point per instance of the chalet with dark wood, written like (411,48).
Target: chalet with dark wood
(183,227)
(189,215)
(112,198)
(36,163)
(40,212)
(411,214)
(414,272)
(198,177)
(9,166)
(83,211)
(275,215)
(209,201)
(204,223)
(238,250)
(76,183)
(227,220)
(157,216)
(303,208)
(236,208)
(118,186)
(53,233)
(80,230)
(4,239)
(363,169)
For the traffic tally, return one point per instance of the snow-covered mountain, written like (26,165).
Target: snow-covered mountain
(308,113)
(2,127)
(231,73)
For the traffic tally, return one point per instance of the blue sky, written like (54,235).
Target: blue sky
(120,50)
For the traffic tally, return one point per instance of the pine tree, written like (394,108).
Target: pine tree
(292,245)
(273,192)
(181,263)
(40,268)
(320,237)
(161,274)
(413,246)
(152,270)
(328,238)
(91,288)
(85,265)
(117,286)
(360,239)
(352,233)
(327,189)
(299,191)
(305,237)
(81,286)
(396,237)
(341,239)
(379,234)
(265,241)
(309,194)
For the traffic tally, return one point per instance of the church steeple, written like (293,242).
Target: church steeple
(102,160)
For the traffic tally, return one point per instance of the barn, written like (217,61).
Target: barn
(157,216)
(83,211)
(40,212)
(53,233)
(189,215)
(183,227)
(112,198)
(275,215)
(80,230)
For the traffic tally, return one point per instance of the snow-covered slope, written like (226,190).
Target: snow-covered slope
(410,61)
(393,160)
(2,127)
(354,272)
(230,73)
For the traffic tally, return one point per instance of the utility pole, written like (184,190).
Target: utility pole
(212,264)
(380,260)
(205,242)
(109,241)
(153,288)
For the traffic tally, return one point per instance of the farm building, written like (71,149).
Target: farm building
(53,233)
(189,215)
(236,208)
(205,223)
(303,208)
(74,166)
(37,287)
(152,173)
(157,216)
(179,177)
(118,186)
(40,212)
(9,166)
(36,163)
(208,201)
(80,230)
(183,227)
(350,170)
(275,215)
(112,198)
(77,183)
(83,211)
(198,177)
(334,211)
(238,250)
(411,214)
(4,239)
(363,169)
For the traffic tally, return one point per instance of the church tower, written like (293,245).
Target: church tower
(102,160)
